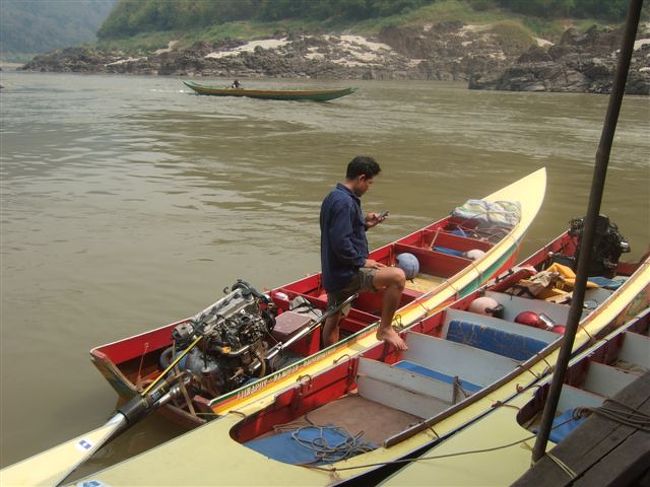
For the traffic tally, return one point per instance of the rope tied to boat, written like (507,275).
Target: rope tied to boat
(632,417)
(565,468)
(332,469)
(327,451)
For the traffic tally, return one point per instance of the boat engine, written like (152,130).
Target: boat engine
(235,333)
(607,248)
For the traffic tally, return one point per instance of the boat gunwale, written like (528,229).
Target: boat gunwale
(631,288)
(581,355)
(461,282)
(435,292)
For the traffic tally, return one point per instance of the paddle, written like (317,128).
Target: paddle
(53,466)
(48,467)
(157,394)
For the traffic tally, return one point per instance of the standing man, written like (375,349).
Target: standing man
(344,253)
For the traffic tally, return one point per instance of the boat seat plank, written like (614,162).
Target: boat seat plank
(494,335)
(504,325)
(456,359)
(405,379)
(607,380)
(636,350)
(419,369)
(424,282)
(458,242)
(435,263)
(397,397)
(573,397)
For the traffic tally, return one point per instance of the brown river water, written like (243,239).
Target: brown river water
(128,203)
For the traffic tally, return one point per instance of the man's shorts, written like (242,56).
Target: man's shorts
(361,281)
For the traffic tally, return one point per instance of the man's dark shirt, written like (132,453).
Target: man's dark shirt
(343,242)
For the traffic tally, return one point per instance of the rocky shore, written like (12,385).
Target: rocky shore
(445,51)
(482,55)
(578,63)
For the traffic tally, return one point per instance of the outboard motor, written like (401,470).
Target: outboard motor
(236,333)
(607,248)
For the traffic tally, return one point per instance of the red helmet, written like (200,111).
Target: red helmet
(559,329)
(530,318)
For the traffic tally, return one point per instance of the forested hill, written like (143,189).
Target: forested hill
(33,26)
(131,17)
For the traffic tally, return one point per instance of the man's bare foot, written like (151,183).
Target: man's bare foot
(391,337)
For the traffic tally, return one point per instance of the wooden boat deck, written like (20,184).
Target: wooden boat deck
(601,451)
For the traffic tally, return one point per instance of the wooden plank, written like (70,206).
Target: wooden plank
(572,397)
(455,359)
(606,380)
(591,442)
(497,324)
(405,379)
(623,466)
(435,263)
(636,350)
(396,397)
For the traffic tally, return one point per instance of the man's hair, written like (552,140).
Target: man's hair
(365,165)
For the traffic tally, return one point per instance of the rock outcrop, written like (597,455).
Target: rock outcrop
(578,63)
(484,55)
(445,51)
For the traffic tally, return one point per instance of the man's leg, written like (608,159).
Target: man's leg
(331,330)
(391,280)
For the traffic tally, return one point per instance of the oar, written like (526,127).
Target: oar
(154,396)
(129,414)
(49,467)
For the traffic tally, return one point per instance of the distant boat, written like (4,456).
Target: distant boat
(310,95)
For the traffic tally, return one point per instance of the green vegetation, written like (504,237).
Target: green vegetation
(131,17)
(140,26)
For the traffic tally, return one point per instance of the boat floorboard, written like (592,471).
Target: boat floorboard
(356,414)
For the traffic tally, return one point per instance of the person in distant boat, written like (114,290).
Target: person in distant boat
(236,84)
(344,253)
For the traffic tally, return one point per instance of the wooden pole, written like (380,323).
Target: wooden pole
(593,210)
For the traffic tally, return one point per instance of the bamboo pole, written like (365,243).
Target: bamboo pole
(593,210)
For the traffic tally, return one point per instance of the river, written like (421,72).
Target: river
(128,203)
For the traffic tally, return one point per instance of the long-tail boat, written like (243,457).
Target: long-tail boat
(291,95)
(505,437)
(445,274)
(377,407)
(246,371)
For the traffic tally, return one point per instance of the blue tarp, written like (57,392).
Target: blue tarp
(517,347)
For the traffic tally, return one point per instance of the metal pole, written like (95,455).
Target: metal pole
(595,198)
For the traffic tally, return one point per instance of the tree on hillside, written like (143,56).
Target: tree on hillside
(134,16)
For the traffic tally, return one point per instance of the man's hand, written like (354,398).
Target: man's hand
(373,219)
(373,264)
